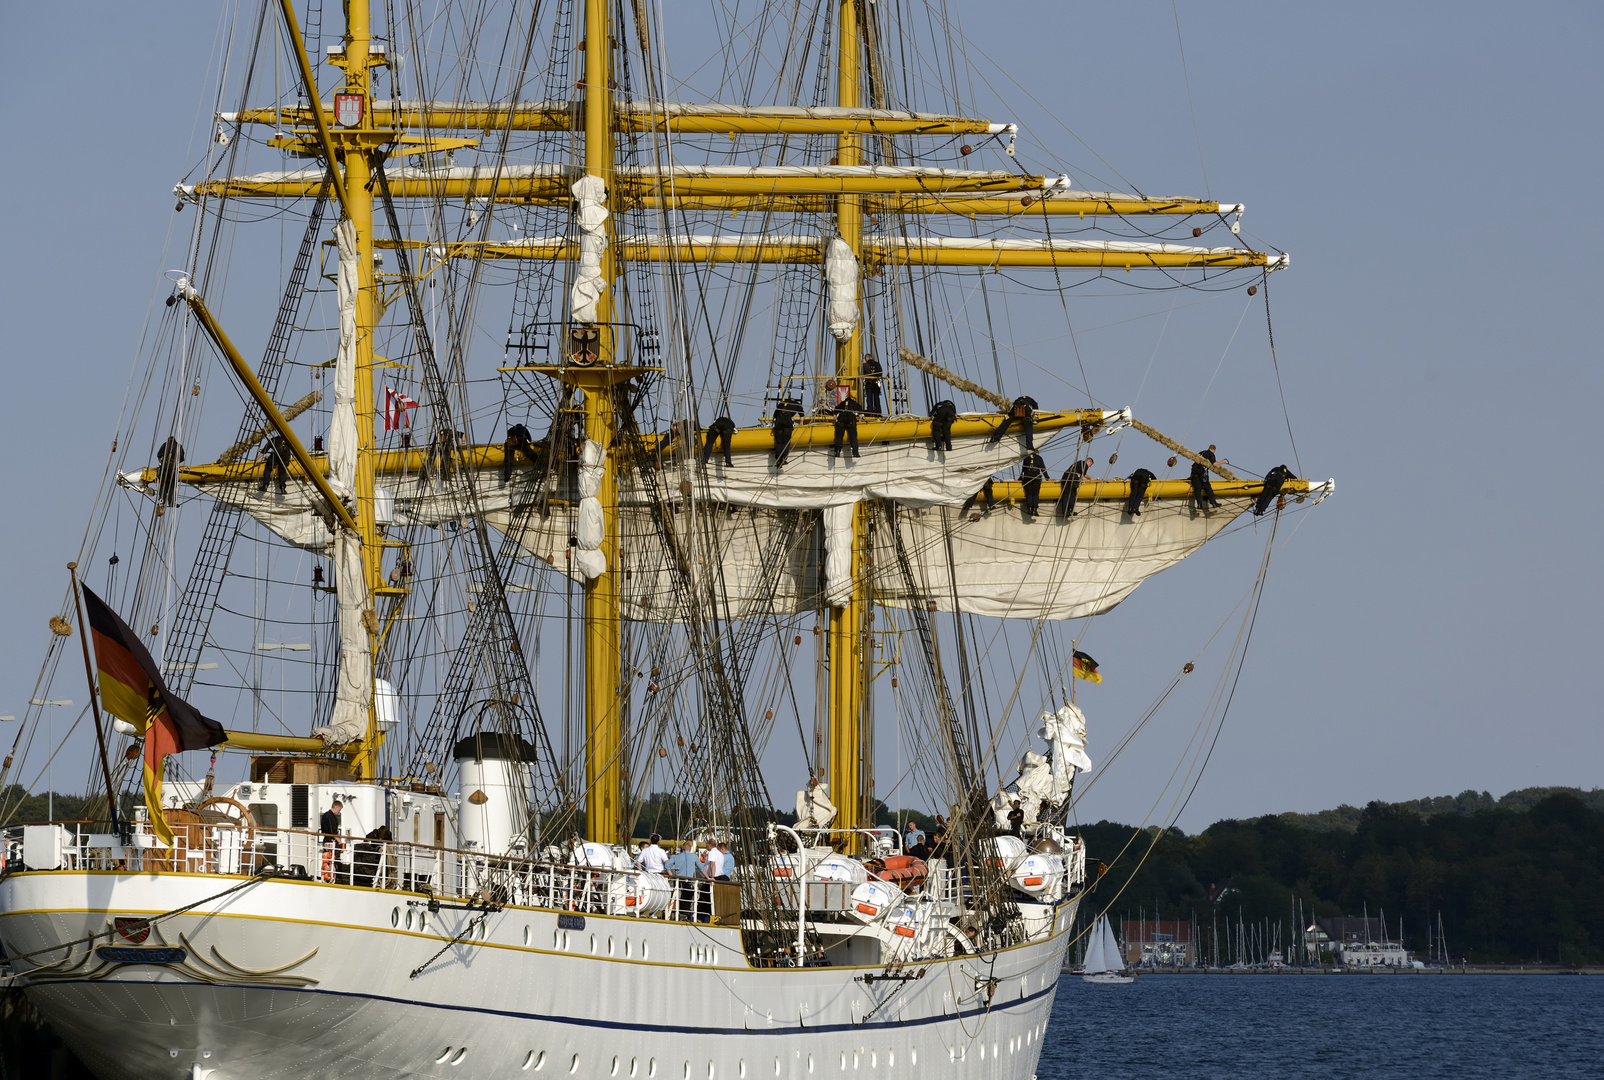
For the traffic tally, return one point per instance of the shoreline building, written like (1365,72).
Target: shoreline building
(1354,942)
(1158,943)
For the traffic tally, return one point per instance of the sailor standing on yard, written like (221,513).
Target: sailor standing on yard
(1071,487)
(1032,471)
(1202,486)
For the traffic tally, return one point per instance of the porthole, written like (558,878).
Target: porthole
(395,916)
(651,1067)
(891,1059)
(687,1073)
(609,946)
(556,939)
(913,1057)
(994,1053)
(409,918)
(843,1061)
(614,1071)
(482,931)
(526,935)
(874,1059)
(633,1062)
(742,1068)
(423,923)
(776,1066)
(709,1070)
(982,1051)
(441,1060)
(643,951)
(593,944)
(529,1060)
(854,1061)
(573,1066)
(810,1063)
(712,955)
(460,1055)
(565,941)
(690,954)
(626,948)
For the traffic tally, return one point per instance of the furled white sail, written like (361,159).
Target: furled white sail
(353,689)
(841,274)
(1011,565)
(748,560)
(591,217)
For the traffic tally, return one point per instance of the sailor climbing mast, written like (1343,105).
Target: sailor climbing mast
(592,313)
(847,734)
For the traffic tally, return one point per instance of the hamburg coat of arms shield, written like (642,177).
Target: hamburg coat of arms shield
(348,109)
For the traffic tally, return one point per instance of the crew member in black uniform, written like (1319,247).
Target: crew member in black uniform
(942,414)
(871,386)
(1139,481)
(785,414)
(1274,480)
(168,457)
(985,492)
(1032,471)
(1070,487)
(518,442)
(277,455)
(1202,487)
(722,429)
(1022,411)
(846,424)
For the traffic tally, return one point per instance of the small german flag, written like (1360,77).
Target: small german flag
(1086,668)
(132,689)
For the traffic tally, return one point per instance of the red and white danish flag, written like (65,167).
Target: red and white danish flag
(396,405)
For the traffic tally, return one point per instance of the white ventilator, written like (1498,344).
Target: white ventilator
(494,771)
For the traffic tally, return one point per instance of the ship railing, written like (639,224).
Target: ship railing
(231,850)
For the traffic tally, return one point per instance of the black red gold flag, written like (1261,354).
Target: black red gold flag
(132,689)
(1086,668)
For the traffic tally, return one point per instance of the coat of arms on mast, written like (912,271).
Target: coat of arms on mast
(348,109)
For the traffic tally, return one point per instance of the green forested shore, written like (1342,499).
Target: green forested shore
(1519,879)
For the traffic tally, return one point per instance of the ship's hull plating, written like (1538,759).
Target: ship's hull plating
(308,980)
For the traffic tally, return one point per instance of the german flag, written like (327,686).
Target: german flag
(132,689)
(1086,668)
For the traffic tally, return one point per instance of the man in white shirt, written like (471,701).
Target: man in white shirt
(652,857)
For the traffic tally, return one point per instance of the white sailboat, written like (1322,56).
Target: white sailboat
(481,904)
(1104,964)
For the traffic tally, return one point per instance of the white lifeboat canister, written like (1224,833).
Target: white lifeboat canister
(639,894)
(1011,851)
(839,868)
(873,899)
(1037,874)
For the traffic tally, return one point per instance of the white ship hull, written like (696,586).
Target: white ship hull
(310,980)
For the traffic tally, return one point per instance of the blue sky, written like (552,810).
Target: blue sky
(1433,627)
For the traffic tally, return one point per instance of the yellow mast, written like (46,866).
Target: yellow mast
(353,144)
(358,140)
(603,684)
(846,739)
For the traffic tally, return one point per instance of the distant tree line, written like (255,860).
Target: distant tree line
(1513,880)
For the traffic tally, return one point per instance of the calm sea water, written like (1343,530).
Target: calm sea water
(1246,1027)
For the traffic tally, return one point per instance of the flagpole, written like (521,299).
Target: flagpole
(94,700)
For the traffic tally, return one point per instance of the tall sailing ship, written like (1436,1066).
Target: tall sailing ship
(557,598)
